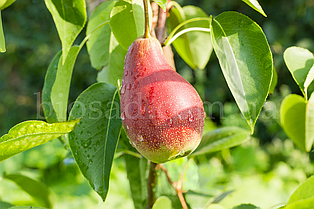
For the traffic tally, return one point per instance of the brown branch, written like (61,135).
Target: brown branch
(155,7)
(176,185)
(151,182)
(161,25)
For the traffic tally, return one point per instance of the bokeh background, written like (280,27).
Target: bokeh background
(263,171)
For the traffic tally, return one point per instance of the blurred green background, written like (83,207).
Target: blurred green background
(263,171)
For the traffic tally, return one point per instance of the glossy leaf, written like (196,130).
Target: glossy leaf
(61,86)
(93,142)
(127,21)
(221,138)
(25,207)
(292,118)
(274,81)
(50,79)
(193,47)
(2,40)
(70,18)
(300,62)
(162,202)
(29,134)
(309,123)
(5,205)
(246,206)
(37,190)
(114,70)
(99,41)
(162,4)
(5,3)
(136,169)
(303,197)
(215,206)
(246,61)
(255,5)
(297,120)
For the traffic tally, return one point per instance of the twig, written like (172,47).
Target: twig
(176,185)
(151,182)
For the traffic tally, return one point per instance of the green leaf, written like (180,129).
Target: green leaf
(309,123)
(25,207)
(50,79)
(93,142)
(255,5)
(114,70)
(5,205)
(37,190)
(29,134)
(274,81)
(127,21)
(98,43)
(136,169)
(221,138)
(292,118)
(69,17)
(162,4)
(246,61)
(215,206)
(297,120)
(61,86)
(5,3)
(300,62)
(162,202)
(2,40)
(246,206)
(194,47)
(303,197)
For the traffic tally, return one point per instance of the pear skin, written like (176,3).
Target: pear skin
(162,113)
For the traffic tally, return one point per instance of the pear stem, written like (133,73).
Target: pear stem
(146,33)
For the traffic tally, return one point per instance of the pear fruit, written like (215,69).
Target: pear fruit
(162,113)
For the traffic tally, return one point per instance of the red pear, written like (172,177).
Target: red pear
(162,113)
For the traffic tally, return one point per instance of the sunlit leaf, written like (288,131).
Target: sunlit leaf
(162,202)
(309,123)
(25,207)
(300,62)
(37,190)
(297,120)
(50,78)
(246,61)
(246,206)
(114,70)
(93,142)
(221,138)
(292,117)
(255,5)
(5,3)
(69,17)
(303,197)
(29,134)
(5,205)
(162,3)
(2,40)
(274,81)
(136,169)
(98,43)
(215,206)
(61,85)
(127,21)
(194,47)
